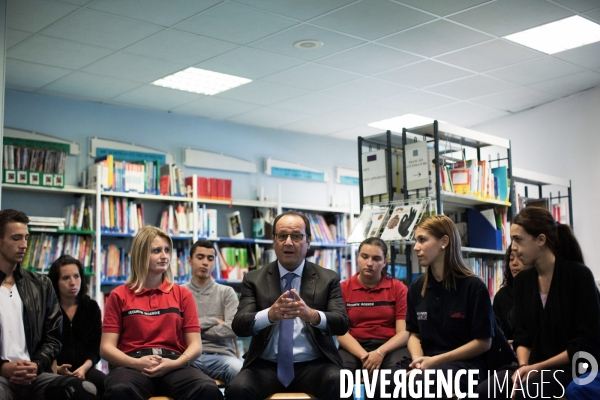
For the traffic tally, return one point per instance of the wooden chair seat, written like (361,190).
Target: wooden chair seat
(291,396)
(160,398)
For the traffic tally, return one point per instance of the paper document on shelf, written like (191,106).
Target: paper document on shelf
(417,165)
(489,215)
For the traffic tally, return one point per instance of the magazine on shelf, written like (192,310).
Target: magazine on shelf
(402,222)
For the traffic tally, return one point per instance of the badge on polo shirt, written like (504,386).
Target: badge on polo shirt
(422,316)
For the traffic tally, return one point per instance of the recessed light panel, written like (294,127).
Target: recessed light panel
(404,121)
(558,36)
(201,81)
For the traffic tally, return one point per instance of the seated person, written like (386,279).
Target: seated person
(151,334)
(503,300)
(376,306)
(82,323)
(216,305)
(291,308)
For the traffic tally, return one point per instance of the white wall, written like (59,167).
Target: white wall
(562,139)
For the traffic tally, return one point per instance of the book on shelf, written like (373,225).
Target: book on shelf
(44,248)
(34,162)
(121,215)
(233,262)
(234,225)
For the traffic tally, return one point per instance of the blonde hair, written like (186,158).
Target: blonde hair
(140,257)
(454,266)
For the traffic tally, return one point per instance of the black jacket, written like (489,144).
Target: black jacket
(571,319)
(42,318)
(320,289)
(81,336)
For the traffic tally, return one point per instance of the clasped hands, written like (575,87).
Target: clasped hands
(154,366)
(78,373)
(290,308)
(20,372)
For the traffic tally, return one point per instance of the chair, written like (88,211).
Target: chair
(291,396)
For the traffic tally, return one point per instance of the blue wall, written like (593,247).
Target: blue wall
(79,120)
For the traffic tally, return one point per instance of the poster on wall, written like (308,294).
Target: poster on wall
(374,174)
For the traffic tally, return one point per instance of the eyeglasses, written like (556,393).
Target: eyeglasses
(282,237)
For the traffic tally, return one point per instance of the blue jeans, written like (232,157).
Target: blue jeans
(219,366)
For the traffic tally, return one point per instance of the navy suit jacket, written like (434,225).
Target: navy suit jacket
(320,290)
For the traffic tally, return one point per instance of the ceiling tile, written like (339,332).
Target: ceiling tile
(425,73)
(269,117)
(262,93)
(569,84)
(365,90)
(490,55)
(156,97)
(250,63)
(159,12)
(23,75)
(594,14)
(100,29)
(472,86)
(181,47)
(515,100)
(319,126)
(15,36)
(283,42)
(414,102)
(235,23)
(302,10)
(134,67)
(34,15)
(369,59)
(579,5)
(443,7)
(465,115)
(536,70)
(586,56)
(88,86)
(312,77)
(362,114)
(77,2)
(57,52)
(372,19)
(215,108)
(314,104)
(504,17)
(435,38)
(354,133)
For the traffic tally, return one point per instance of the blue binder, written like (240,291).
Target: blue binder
(481,233)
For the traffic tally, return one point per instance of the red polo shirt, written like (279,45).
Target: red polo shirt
(152,318)
(373,312)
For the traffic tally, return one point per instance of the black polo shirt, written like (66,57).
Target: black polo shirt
(447,319)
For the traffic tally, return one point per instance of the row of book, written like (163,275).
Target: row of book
(79,216)
(44,248)
(490,271)
(210,188)
(121,215)
(476,178)
(116,264)
(24,158)
(323,232)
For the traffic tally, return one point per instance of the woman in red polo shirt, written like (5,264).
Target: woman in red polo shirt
(376,306)
(151,333)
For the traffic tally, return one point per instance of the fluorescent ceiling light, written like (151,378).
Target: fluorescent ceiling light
(404,121)
(558,36)
(201,81)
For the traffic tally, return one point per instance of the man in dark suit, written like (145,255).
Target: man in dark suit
(291,308)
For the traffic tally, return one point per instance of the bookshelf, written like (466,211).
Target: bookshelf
(484,157)
(544,183)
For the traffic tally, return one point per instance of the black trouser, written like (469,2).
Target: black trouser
(390,359)
(555,382)
(319,377)
(184,383)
